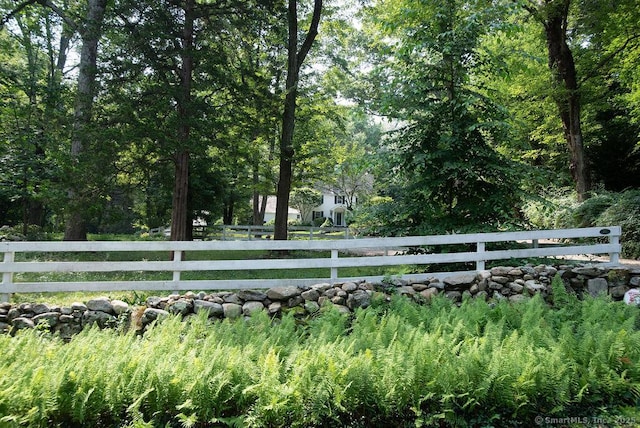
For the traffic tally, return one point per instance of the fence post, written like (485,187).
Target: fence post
(7,277)
(177,258)
(224,232)
(480,248)
(614,257)
(334,270)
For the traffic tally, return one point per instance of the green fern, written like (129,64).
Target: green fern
(403,364)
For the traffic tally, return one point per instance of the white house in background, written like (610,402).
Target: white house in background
(333,206)
(270,210)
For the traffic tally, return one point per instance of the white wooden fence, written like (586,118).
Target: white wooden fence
(343,254)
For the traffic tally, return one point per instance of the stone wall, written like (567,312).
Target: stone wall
(499,283)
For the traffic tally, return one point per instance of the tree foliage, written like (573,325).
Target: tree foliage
(427,116)
(446,172)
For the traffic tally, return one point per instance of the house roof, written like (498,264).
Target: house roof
(271,205)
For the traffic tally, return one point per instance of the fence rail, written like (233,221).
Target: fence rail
(339,254)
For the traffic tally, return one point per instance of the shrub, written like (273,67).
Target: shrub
(561,210)
(327,222)
(16,233)
(379,217)
(551,210)
(625,212)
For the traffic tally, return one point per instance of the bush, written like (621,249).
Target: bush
(625,212)
(15,233)
(327,222)
(561,210)
(318,222)
(551,210)
(379,217)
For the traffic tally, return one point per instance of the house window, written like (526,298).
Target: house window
(317,214)
(339,200)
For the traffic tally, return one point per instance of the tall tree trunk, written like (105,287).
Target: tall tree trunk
(179,211)
(561,63)
(259,202)
(32,207)
(227,212)
(286,163)
(255,198)
(180,219)
(75,222)
(295,60)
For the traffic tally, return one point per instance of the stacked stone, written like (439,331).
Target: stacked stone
(66,320)
(306,300)
(499,283)
(598,280)
(5,307)
(519,283)
(515,284)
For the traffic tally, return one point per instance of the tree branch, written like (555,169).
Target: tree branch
(61,13)
(533,11)
(596,70)
(311,34)
(16,11)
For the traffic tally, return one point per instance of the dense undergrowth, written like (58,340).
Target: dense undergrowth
(393,364)
(562,210)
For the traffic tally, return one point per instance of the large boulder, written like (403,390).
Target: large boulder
(153,314)
(102,319)
(252,295)
(358,299)
(597,286)
(211,308)
(429,293)
(40,308)
(78,307)
(252,306)
(283,293)
(312,294)
(532,286)
(232,310)
(119,307)
(458,282)
(349,287)
(22,323)
(181,307)
(50,318)
(101,304)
